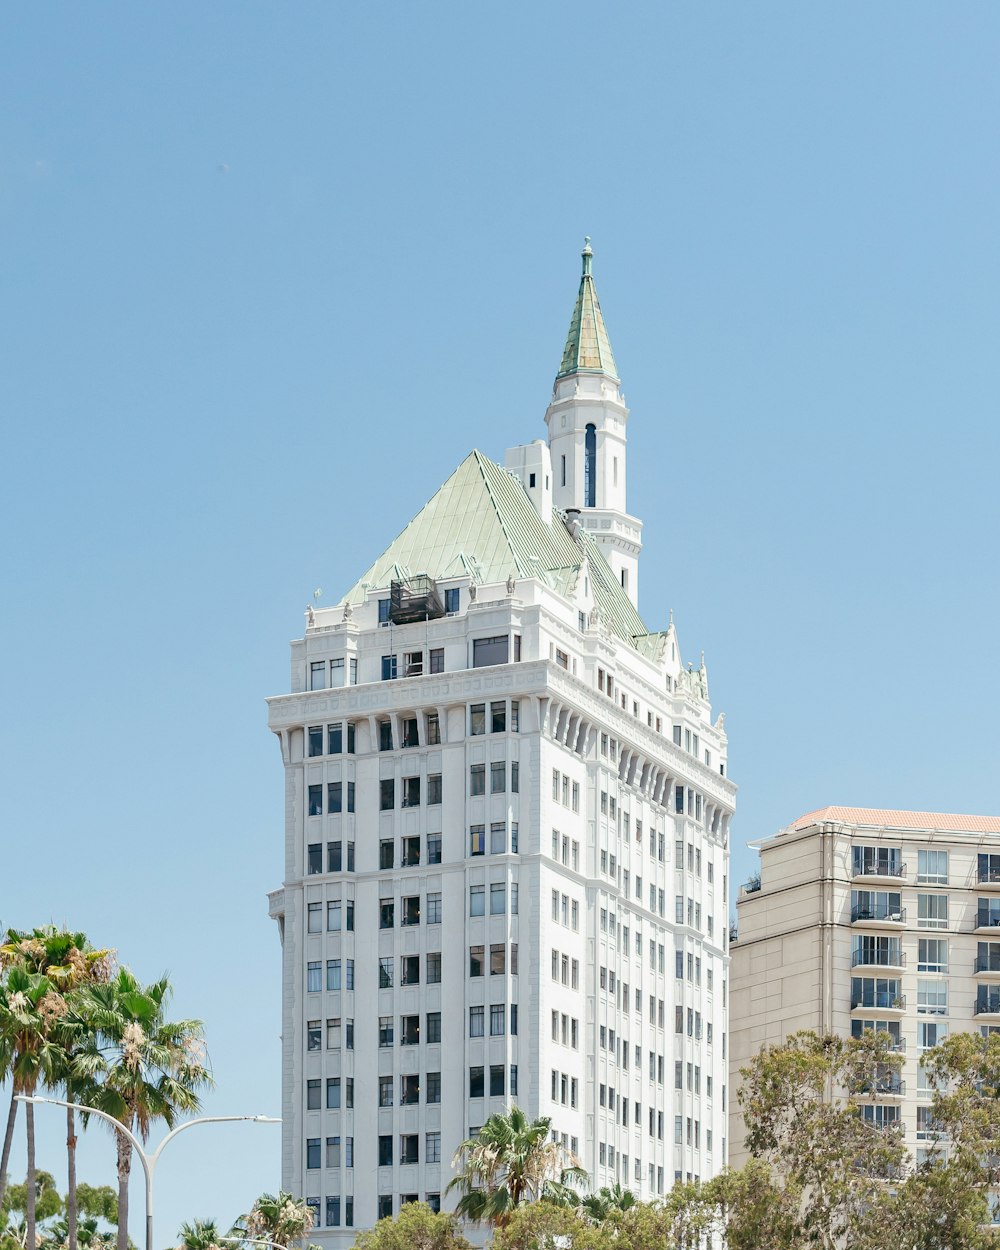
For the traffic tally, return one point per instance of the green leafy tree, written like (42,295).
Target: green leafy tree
(548,1226)
(139,1067)
(510,1162)
(199,1235)
(830,1162)
(416,1227)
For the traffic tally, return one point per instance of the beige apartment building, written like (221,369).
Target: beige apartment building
(869,919)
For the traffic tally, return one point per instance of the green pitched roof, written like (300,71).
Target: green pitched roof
(588,348)
(482,524)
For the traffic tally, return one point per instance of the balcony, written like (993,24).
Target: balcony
(879,957)
(988,878)
(987,920)
(881,869)
(987,966)
(879,1001)
(888,1085)
(414,599)
(890,917)
(988,1005)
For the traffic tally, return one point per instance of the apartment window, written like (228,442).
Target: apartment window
(476,1021)
(932,911)
(930,1034)
(315,733)
(515,777)
(334,797)
(411,792)
(317,675)
(385,1091)
(477,840)
(409,1030)
(434,848)
(477,900)
(477,778)
(497,1019)
(878,861)
(314,918)
(312,1095)
(387,913)
(988,868)
(385,1160)
(452,599)
(932,998)
(987,957)
(333,1034)
(498,717)
(932,867)
(411,733)
(314,1035)
(385,735)
(433,789)
(433,1087)
(388,667)
(498,838)
(432,1147)
(498,898)
(434,908)
(432,967)
(988,913)
(387,794)
(411,852)
(477,719)
(498,1075)
(313,1159)
(436,660)
(498,776)
(315,800)
(488,651)
(411,910)
(498,958)
(315,859)
(409,970)
(314,976)
(476,1082)
(932,955)
(333,1208)
(433,1026)
(386,853)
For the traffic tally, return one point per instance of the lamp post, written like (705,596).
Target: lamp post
(148,1161)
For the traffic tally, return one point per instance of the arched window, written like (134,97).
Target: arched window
(590,468)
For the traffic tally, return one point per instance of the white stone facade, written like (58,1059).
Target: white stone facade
(505,880)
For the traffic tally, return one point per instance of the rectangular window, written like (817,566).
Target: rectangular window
(387,794)
(432,967)
(433,1026)
(314,1035)
(333,974)
(334,739)
(477,900)
(436,658)
(315,733)
(498,898)
(433,789)
(477,778)
(410,852)
(932,867)
(317,675)
(498,776)
(388,667)
(932,998)
(409,1030)
(477,840)
(434,908)
(498,958)
(932,911)
(477,719)
(476,1023)
(385,1091)
(334,797)
(497,1019)
(385,735)
(411,792)
(452,599)
(386,853)
(315,800)
(387,913)
(932,955)
(476,961)
(315,862)
(433,1087)
(498,717)
(432,1147)
(410,910)
(476,1082)
(488,651)
(313,1152)
(498,838)
(314,976)
(313,1095)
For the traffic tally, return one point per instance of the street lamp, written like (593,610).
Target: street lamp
(148,1161)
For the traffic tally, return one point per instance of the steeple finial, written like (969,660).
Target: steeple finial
(588,348)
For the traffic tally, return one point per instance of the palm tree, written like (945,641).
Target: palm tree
(512,1161)
(199,1235)
(30,1007)
(139,1066)
(69,961)
(600,1205)
(281,1218)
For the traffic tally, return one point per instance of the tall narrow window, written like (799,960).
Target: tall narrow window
(590,468)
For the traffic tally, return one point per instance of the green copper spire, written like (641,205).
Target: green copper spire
(588,348)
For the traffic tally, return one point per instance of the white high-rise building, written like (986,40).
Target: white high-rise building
(506,839)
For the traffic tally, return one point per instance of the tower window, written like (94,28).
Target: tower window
(590,468)
(531,479)
(563,459)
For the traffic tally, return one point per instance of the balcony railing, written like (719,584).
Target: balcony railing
(988,963)
(986,919)
(989,1006)
(879,1001)
(880,868)
(891,957)
(897,915)
(884,1085)
(988,876)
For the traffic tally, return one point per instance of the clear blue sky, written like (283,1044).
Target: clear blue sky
(270,271)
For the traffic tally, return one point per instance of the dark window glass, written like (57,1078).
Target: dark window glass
(315,739)
(486,651)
